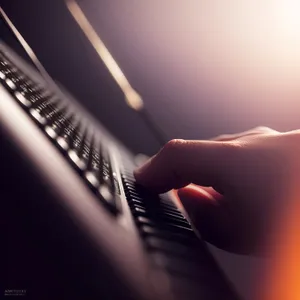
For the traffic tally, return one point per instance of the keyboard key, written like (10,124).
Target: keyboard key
(92,179)
(170,226)
(82,150)
(139,212)
(168,235)
(181,267)
(106,194)
(22,99)
(66,136)
(2,75)
(37,115)
(173,248)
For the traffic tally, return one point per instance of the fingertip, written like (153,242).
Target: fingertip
(195,201)
(140,173)
(136,174)
(196,192)
(206,214)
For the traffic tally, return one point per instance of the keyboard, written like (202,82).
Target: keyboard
(168,240)
(75,140)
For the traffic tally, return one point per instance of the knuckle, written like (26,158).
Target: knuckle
(171,150)
(262,129)
(173,145)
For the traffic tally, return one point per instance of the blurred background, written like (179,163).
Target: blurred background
(203,68)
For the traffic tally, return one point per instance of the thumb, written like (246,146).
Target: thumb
(207,212)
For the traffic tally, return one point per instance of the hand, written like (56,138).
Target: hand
(241,183)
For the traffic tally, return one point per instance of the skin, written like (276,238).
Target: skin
(234,188)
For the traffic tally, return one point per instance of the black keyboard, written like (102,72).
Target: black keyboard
(166,234)
(75,140)
(162,226)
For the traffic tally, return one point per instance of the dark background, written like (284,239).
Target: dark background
(160,57)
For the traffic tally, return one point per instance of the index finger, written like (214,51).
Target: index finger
(181,162)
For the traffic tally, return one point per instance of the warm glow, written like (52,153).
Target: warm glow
(283,272)
(245,50)
(289,16)
(133,99)
(238,51)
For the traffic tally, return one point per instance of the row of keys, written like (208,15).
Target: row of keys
(162,226)
(76,141)
(167,235)
(171,243)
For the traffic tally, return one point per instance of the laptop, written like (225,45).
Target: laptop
(78,226)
